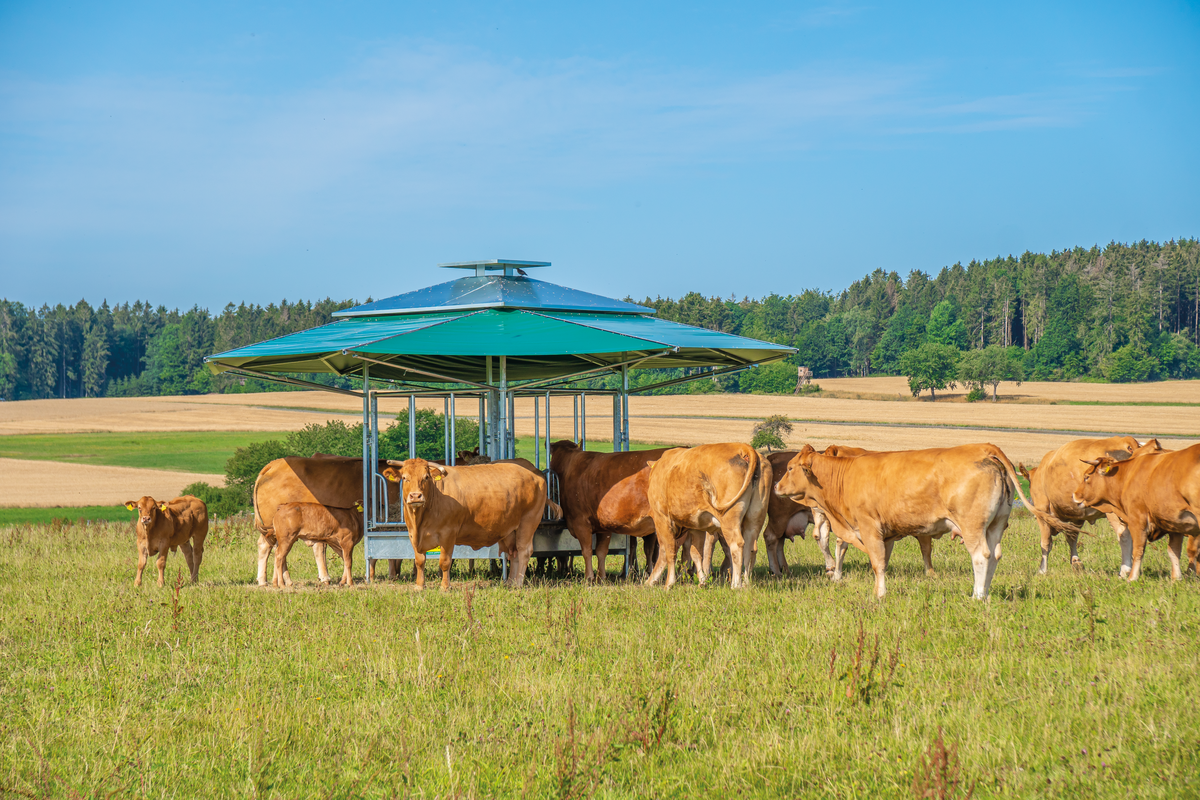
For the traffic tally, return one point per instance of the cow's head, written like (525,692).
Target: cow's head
(1095,485)
(796,481)
(147,510)
(416,477)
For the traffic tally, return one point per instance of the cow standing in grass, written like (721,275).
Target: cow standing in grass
(341,528)
(603,494)
(1055,478)
(476,506)
(1154,495)
(719,489)
(872,499)
(180,524)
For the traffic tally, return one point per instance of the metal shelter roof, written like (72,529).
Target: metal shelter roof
(447,332)
(493,291)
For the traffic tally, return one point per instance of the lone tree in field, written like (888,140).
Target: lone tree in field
(931,366)
(770,432)
(989,366)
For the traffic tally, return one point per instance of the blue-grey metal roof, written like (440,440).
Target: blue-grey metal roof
(494,291)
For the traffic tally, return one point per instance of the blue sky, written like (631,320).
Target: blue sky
(207,153)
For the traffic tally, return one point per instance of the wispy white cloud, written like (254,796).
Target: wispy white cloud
(427,127)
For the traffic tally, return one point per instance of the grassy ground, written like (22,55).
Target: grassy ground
(188,451)
(45,516)
(1072,684)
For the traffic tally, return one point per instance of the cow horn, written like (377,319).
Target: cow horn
(392,463)
(1093,462)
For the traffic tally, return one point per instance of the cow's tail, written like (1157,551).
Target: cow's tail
(998,456)
(554,510)
(259,525)
(752,472)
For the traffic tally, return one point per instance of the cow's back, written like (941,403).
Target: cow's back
(1061,470)
(607,488)
(330,481)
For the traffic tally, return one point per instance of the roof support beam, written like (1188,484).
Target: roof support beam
(547,382)
(264,376)
(434,375)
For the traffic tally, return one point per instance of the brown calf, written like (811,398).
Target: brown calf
(170,526)
(313,522)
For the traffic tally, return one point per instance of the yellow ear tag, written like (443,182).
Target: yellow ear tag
(162,506)
(358,506)
(1108,469)
(437,476)
(129,506)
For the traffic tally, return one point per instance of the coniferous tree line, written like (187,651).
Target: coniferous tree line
(1125,312)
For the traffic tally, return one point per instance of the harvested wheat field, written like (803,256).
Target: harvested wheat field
(43,484)
(1030,391)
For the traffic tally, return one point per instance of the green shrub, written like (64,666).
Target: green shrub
(222,502)
(976,394)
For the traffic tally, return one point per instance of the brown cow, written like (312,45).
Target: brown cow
(720,489)
(313,522)
(965,491)
(603,494)
(785,520)
(475,506)
(1060,471)
(334,481)
(1155,495)
(170,526)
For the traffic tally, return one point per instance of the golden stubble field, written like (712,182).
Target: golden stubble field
(1025,429)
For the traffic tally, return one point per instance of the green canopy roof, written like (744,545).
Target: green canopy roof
(454,346)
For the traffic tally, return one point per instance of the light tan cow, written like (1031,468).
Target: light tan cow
(1155,495)
(1051,484)
(180,524)
(340,528)
(965,491)
(719,489)
(475,506)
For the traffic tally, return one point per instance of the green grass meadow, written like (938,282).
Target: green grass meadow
(187,451)
(1073,684)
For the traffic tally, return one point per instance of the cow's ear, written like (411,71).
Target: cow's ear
(391,475)
(651,464)
(1108,469)
(162,506)
(131,505)
(358,506)
(437,471)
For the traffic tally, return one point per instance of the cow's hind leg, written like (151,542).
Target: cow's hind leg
(198,552)
(190,557)
(282,548)
(603,540)
(877,553)
(523,547)
(664,531)
(1174,551)
(926,543)
(264,552)
(1073,543)
(322,568)
(1193,551)
(839,558)
(1047,545)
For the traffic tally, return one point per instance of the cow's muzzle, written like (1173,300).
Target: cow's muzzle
(416,499)
(146,521)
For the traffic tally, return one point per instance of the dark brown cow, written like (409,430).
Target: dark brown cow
(786,520)
(1055,478)
(603,494)
(965,491)
(475,506)
(1155,495)
(720,489)
(170,526)
(334,481)
(313,522)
